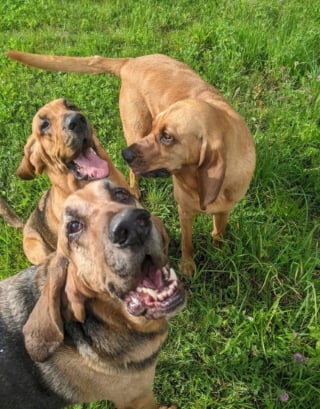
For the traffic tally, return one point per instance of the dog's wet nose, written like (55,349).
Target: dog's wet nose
(128,155)
(130,227)
(75,122)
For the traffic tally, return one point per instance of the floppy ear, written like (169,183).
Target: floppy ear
(76,297)
(161,229)
(31,163)
(211,171)
(43,331)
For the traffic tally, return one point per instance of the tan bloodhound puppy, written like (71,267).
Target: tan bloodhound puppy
(63,145)
(89,323)
(175,124)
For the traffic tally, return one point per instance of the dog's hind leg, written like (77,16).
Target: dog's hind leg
(186,218)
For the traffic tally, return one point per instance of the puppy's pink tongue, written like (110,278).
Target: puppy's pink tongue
(90,164)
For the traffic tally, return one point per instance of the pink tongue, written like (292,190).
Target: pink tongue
(90,164)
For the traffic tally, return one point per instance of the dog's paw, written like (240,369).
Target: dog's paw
(187,267)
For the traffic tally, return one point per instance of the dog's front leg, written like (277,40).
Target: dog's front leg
(35,246)
(186,218)
(220,221)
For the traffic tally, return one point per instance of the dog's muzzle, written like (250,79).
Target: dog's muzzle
(128,155)
(75,122)
(157,293)
(132,160)
(130,227)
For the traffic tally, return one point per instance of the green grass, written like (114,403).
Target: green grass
(254,302)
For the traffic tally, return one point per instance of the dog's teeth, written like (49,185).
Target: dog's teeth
(134,301)
(165,272)
(161,296)
(173,275)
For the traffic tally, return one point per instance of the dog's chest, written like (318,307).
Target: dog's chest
(81,379)
(97,362)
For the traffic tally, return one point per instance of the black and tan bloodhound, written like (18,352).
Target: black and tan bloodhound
(63,145)
(89,323)
(175,124)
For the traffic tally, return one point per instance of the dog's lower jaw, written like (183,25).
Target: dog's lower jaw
(158,295)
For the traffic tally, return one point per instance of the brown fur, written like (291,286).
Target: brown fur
(72,310)
(50,150)
(174,121)
(10,216)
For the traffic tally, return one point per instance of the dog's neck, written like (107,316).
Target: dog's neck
(106,339)
(187,177)
(64,185)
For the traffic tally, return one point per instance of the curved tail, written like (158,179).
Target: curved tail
(84,65)
(9,215)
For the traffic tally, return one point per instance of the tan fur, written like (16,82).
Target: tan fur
(81,337)
(49,154)
(212,156)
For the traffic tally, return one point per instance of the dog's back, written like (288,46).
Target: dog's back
(19,375)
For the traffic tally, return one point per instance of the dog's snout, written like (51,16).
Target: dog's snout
(130,227)
(128,155)
(75,122)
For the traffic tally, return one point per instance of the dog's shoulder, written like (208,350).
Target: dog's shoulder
(18,296)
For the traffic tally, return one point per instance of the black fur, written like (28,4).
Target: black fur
(21,384)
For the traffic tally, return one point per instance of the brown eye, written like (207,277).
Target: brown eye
(74,227)
(121,196)
(166,139)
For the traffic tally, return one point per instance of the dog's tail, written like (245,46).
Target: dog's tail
(83,65)
(10,215)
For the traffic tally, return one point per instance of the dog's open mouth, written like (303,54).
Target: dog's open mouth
(157,295)
(89,166)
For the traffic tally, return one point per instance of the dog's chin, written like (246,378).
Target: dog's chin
(157,295)
(157,173)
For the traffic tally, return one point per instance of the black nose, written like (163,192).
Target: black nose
(130,227)
(75,122)
(128,155)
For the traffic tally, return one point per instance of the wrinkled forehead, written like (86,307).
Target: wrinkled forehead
(175,116)
(56,107)
(100,194)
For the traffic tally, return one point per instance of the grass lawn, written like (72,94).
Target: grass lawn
(250,335)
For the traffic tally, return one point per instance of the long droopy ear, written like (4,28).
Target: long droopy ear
(31,163)
(77,294)
(211,171)
(161,229)
(43,331)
